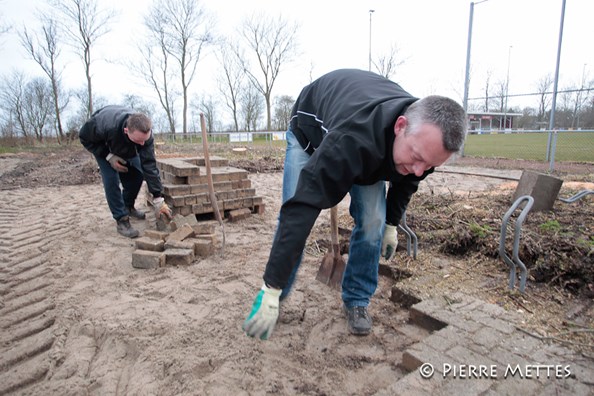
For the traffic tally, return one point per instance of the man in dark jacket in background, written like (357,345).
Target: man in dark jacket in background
(121,141)
(351,131)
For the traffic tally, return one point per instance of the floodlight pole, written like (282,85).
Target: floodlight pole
(467,74)
(553,141)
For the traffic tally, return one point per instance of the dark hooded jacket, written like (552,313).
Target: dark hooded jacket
(345,121)
(104,133)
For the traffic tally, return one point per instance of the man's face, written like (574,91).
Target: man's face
(137,136)
(414,153)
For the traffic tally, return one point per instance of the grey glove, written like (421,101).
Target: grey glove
(390,241)
(117,163)
(162,210)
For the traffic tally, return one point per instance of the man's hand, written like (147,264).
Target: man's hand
(117,163)
(390,241)
(261,321)
(162,210)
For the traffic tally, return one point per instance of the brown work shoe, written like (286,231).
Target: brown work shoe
(125,229)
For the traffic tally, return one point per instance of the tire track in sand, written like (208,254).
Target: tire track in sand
(31,231)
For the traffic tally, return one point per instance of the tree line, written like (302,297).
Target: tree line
(173,41)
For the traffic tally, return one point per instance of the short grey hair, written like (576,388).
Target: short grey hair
(443,112)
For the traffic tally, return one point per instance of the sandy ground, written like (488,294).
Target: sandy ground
(76,318)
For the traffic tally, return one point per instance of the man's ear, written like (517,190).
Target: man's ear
(400,125)
(126,130)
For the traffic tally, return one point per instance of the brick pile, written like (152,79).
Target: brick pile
(186,187)
(188,240)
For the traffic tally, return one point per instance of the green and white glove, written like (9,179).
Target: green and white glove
(261,321)
(117,163)
(390,241)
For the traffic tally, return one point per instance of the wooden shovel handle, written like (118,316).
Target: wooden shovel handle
(334,225)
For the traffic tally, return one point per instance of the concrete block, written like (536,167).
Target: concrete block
(179,256)
(543,188)
(146,243)
(185,231)
(146,259)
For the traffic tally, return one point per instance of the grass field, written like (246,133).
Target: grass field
(571,146)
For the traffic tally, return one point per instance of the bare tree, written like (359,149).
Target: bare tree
(386,64)
(84,25)
(184,31)
(543,87)
(12,101)
(273,44)
(208,107)
(45,51)
(38,108)
(251,108)
(487,92)
(231,82)
(156,70)
(282,112)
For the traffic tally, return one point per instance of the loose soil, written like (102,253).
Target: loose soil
(76,318)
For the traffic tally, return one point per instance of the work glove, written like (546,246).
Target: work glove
(117,163)
(390,241)
(162,210)
(260,323)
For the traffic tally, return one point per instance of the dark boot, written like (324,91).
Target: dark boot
(358,320)
(125,229)
(137,214)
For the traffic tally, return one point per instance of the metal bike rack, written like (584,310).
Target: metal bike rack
(517,231)
(577,196)
(411,237)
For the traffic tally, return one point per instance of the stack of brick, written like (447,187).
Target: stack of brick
(188,240)
(185,186)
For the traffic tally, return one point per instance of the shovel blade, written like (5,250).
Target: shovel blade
(325,270)
(338,266)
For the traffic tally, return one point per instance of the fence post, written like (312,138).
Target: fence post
(553,148)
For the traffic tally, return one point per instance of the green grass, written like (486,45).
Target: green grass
(571,146)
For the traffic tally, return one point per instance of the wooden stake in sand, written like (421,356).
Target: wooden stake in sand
(211,192)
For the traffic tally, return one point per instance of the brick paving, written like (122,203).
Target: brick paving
(475,348)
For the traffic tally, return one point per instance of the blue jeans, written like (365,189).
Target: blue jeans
(368,209)
(119,199)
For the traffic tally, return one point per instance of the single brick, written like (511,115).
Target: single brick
(156,234)
(179,256)
(202,247)
(179,220)
(146,243)
(204,227)
(173,244)
(185,231)
(239,214)
(146,259)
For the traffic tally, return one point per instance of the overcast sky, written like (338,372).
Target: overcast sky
(431,36)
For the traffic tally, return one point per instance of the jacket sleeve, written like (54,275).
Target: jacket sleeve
(149,168)
(93,139)
(399,195)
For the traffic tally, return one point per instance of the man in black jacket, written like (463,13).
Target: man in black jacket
(352,131)
(121,141)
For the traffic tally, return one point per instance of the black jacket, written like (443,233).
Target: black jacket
(104,133)
(345,120)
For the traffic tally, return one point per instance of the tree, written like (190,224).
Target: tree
(231,82)
(12,101)
(282,112)
(386,64)
(45,51)
(84,25)
(273,44)
(38,107)
(544,100)
(251,108)
(183,30)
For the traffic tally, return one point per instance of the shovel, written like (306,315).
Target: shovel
(332,267)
